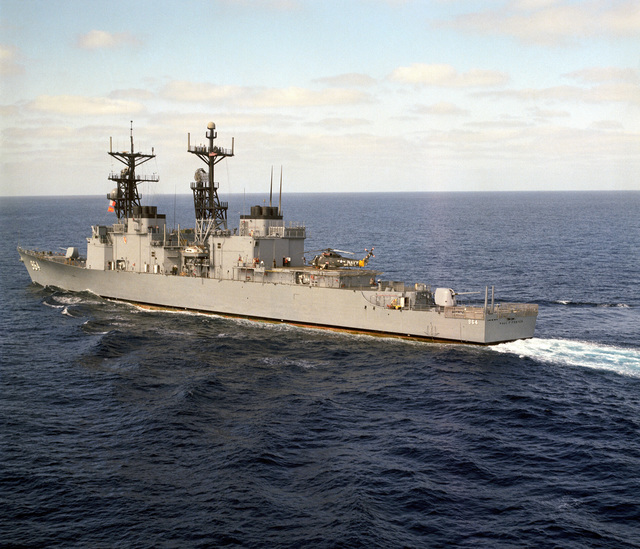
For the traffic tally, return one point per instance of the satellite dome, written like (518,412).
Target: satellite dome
(211,126)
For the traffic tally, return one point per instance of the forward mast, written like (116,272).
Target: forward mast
(125,196)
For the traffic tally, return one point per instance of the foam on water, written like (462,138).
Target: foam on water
(67,299)
(590,304)
(287,362)
(625,361)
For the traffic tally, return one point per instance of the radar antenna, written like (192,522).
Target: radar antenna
(126,195)
(211,214)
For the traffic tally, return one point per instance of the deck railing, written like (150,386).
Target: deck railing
(473,313)
(518,309)
(502,310)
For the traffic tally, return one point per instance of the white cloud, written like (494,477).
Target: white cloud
(9,61)
(607,125)
(181,90)
(196,121)
(261,97)
(619,93)
(543,114)
(443,108)
(350,80)
(446,76)
(339,123)
(99,39)
(605,74)
(542,143)
(555,22)
(534,4)
(271,5)
(76,105)
(132,93)
(606,93)
(500,124)
(301,97)
(9,110)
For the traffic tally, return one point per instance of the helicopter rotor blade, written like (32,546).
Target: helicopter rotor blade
(341,251)
(315,251)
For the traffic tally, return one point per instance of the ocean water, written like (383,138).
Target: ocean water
(128,428)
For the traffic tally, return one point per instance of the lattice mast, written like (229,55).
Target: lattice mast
(126,195)
(211,214)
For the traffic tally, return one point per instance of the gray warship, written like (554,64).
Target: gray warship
(258,270)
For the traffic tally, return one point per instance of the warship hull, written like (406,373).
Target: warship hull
(355,310)
(258,270)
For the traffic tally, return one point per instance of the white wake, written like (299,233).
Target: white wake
(622,360)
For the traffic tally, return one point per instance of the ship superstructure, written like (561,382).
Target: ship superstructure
(258,270)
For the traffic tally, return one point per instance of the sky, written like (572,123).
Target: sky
(345,96)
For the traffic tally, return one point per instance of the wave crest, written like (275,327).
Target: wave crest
(625,361)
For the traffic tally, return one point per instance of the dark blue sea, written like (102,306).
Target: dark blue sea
(122,427)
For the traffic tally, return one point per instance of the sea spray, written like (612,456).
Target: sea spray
(625,361)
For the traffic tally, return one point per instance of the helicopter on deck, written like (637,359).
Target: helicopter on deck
(330,258)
